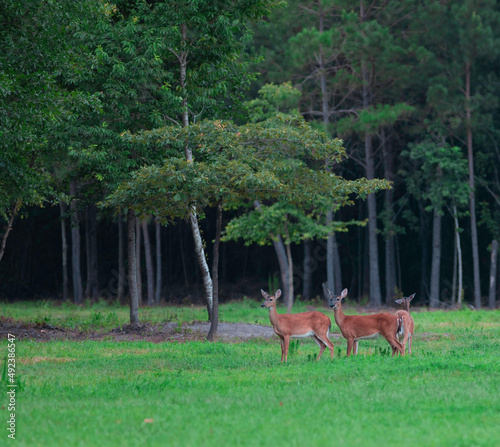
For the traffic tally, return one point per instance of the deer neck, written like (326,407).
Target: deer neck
(407,306)
(273,315)
(339,316)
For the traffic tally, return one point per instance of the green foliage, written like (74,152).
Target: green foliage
(438,174)
(274,99)
(41,54)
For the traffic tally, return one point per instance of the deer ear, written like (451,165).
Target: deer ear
(330,294)
(400,301)
(411,296)
(277,294)
(343,294)
(264,294)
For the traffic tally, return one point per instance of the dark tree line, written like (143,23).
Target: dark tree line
(146,137)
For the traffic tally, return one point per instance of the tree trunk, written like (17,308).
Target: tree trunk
(289,303)
(75,247)
(87,254)
(460,287)
(375,294)
(138,261)
(472,201)
(13,215)
(307,279)
(214,320)
(94,255)
(493,274)
(149,263)
(279,247)
(64,240)
(330,278)
(390,261)
(158,264)
(423,236)
(132,267)
(202,261)
(436,259)
(121,278)
(193,218)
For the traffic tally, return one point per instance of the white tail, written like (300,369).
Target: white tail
(306,324)
(365,327)
(408,325)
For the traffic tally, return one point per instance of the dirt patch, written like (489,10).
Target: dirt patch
(146,331)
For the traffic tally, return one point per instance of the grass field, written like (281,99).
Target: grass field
(105,393)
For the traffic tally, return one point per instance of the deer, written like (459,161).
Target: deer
(365,327)
(408,327)
(305,324)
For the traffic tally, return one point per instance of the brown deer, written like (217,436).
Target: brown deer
(408,326)
(365,327)
(306,324)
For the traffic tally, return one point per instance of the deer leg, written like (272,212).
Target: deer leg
(321,345)
(328,343)
(282,349)
(356,345)
(409,343)
(286,342)
(393,341)
(350,342)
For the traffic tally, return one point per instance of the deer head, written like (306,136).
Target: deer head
(335,301)
(270,300)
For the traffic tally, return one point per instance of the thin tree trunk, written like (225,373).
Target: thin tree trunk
(279,247)
(472,201)
(132,267)
(289,304)
(121,278)
(214,321)
(64,240)
(307,280)
(436,259)
(158,264)
(460,287)
(424,274)
(88,254)
(13,215)
(375,294)
(454,279)
(138,262)
(75,247)
(193,218)
(94,255)
(149,263)
(330,277)
(493,274)
(390,264)
(200,254)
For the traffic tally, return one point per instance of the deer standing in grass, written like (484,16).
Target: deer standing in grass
(306,324)
(365,327)
(408,326)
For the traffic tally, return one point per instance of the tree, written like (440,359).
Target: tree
(233,167)
(438,175)
(39,54)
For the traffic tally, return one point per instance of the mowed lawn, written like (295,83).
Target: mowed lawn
(107,393)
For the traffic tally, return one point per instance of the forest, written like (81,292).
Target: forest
(166,152)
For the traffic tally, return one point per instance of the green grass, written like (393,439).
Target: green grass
(104,393)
